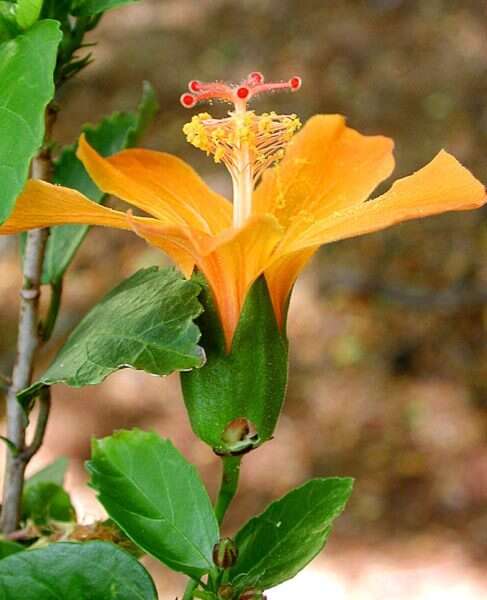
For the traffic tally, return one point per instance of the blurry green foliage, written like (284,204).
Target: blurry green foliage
(114,133)
(30,56)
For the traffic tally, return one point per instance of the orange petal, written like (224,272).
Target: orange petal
(230,262)
(327,167)
(282,275)
(236,263)
(160,184)
(442,185)
(42,204)
(171,239)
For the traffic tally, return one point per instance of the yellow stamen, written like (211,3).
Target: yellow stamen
(247,144)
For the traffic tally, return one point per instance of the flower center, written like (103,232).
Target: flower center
(246,143)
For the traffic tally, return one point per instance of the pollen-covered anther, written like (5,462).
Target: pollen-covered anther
(244,142)
(264,136)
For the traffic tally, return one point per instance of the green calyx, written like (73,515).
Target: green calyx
(235,399)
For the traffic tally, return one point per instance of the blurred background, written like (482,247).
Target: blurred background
(388,332)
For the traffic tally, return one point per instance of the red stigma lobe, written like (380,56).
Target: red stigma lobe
(188,100)
(255,78)
(194,86)
(243,92)
(253,85)
(295,83)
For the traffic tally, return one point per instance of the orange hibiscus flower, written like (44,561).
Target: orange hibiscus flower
(292,193)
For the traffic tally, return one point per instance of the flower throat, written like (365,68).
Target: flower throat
(246,143)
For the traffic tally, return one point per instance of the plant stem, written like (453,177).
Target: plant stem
(228,489)
(40,430)
(53,311)
(190,588)
(229,485)
(27,343)
(5,382)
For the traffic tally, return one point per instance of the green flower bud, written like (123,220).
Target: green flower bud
(225,553)
(252,594)
(225,592)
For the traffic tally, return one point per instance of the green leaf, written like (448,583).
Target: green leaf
(119,131)
(67,570)
(147,109)
(56,9)
(53,473)
(145,323)
(87,8)
(8,547)
(44,501)
(157,498)
(8,23)
(204,595)
(277,544)
(26,72)
(28,12)
(4,29)
(248,382)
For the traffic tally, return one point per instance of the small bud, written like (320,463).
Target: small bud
(225,592)
(225,553)
(238,437)
(236,431)
(252,594)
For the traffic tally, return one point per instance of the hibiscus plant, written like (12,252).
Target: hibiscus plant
(218,318)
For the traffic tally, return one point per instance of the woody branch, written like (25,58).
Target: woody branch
(28,340)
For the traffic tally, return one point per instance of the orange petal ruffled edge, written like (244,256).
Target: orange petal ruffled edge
(442,185)
(42,204)
(327,167)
